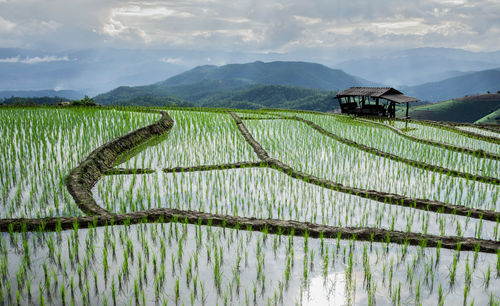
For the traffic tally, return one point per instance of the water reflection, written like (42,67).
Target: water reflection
(329,291)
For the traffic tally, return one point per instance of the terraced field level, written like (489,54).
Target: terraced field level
(211,206)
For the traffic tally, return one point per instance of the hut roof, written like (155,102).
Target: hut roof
(387,93)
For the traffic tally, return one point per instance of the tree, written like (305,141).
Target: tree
(86,101)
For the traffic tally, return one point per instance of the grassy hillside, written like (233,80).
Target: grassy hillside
(296,85)
(492,118)
(275,96)
(250,97)
(191,92)
(469,84)
(467,109)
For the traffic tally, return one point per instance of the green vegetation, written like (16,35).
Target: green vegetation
(292,85)
(39,146)
(17,101)
(491,118)
(274,96)
(468,109)
(158,247)
(303,74)
(86,101)
(210,94)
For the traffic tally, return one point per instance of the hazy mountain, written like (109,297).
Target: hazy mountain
(68,94)
(468,84)
(309,75)
(90,71)
(204,82)
(94,71)
(421,65)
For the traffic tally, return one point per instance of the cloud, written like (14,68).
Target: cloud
(171,60)
(6,25)
(34,60)
(252,25)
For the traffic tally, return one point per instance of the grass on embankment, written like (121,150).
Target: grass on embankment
(467,109)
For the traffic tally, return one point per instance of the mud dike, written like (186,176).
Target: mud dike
(101,161)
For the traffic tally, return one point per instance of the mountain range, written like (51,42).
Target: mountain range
(208,82)
(421,65)
(254,84)
(473,83)
(68,94)
(286,84)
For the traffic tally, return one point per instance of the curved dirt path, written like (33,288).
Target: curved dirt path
(82,178)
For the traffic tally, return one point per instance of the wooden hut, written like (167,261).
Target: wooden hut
(372,101)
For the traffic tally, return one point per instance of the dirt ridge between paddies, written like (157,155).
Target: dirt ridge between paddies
(487,127)
(475,153)
(411,162)
(100,160)
(239,165)
(452,128)
(384,197)
(81,179)
(273,226)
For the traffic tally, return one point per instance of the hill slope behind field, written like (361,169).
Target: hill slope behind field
(240,84)
(304,74)
(467,109)
(275,96)
(492,118)
(469,84)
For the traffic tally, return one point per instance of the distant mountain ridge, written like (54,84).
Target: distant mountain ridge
(421,65)
(468,84)
(202,85)
(68,94)
(304,74)
(239,83)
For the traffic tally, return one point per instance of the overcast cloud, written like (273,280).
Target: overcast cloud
(250,26)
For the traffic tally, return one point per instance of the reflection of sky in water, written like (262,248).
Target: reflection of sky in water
(329,291)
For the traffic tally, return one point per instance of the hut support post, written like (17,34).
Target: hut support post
(407,106)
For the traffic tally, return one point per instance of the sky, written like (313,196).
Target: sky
(312,26)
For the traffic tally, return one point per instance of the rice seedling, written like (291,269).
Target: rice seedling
(216,265)
(197,138)
(55,141)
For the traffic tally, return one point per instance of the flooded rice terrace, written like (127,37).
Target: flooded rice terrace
(175,260)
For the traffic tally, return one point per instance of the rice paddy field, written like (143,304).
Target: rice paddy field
(148,206)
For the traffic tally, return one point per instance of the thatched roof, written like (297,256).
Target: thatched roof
(387,93)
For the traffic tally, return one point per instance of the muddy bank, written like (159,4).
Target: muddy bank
(413,163)
(215,167)
(82,178)
(451,127)
(475,153)
(384,197)
(273,226)
(125,171)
